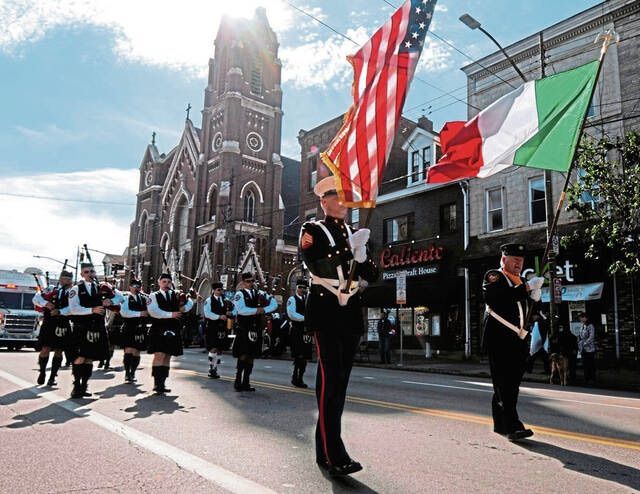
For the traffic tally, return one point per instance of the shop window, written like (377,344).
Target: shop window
(537,201)
(398,229)
(448,218)
(495,220)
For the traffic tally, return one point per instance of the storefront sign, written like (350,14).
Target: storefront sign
(401,288)
(408,256)
(574,293)
(411,273)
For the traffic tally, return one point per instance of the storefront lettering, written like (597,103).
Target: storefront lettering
(410,273)
(564,271)
(408,256)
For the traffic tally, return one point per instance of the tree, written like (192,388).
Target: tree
(606,196)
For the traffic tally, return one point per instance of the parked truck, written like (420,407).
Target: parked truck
(19,321)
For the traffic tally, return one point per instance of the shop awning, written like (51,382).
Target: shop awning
(574,293)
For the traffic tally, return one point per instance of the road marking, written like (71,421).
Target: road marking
(368,377)
(213,473)
(460,416)
(447,386)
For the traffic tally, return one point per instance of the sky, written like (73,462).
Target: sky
(84,83)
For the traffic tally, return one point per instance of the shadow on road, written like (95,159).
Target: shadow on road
(594,466)
(23,394)
(348,484)
(50,415)
(155,405)
(124,389)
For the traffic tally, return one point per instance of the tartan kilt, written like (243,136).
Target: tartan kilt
(134,334)
(90,338)
(248,340)
(55,333)
(215,335)
(301,342)
(165,338)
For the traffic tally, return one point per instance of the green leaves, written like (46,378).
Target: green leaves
(606,196)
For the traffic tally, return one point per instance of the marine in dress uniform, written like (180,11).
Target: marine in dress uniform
(133,310)
(251,305)
(165,334)
(90,339)
(506,294)
(55,331)
(301,341)
(330,248)
(217,313)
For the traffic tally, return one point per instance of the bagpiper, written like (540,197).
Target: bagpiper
(55,331)
(251,305)
(301,341)
(218,313)
(133,310)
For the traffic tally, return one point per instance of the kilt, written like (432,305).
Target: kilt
(115,335)
(301,342)
(55,333)
(165,339)
(215,335)
(90,338)
(248,340)
(134,333)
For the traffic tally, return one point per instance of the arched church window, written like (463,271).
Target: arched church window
(250,207)
(256,76)
(213,200)
(142,229)
(181,225)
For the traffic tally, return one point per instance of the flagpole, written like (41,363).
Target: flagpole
(607,39)
(352,272)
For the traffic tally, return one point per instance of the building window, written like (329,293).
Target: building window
(397,229)
(256,77)
(181,226)
(313,171)
(426,162)
(494,210)
(355,217)
(537,203)
(438,151)
(250,207)
(213,200)
(448,217)
(416,167)
(586,197)
(142,229)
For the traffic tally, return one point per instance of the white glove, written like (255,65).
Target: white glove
(535,294)
(360,238)
(358,242)
(535,283)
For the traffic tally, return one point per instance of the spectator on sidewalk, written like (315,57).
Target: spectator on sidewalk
(587,348)
(384,338)
(568,346)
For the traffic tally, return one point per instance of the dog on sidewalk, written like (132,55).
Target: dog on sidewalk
(559,365)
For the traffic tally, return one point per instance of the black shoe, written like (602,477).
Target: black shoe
(344,470)
(213,374)
(52,382)
(520,434)
(41,378)
(298,383)
(247,387)
(76,393)
(162,390)
(100,364)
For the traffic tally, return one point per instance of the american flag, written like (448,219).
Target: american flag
(383,69)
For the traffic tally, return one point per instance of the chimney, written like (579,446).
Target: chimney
(425,123)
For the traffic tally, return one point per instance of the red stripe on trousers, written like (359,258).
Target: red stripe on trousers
(323,431)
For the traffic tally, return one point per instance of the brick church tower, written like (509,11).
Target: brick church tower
(213,204)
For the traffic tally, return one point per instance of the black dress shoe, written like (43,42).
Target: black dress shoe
(52,382)
(246,387)
(344,470)
(502,432)
(41,378)
(520,434)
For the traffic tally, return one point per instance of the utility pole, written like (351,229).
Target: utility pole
(555,242)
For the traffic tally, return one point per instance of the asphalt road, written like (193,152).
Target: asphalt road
(413,432)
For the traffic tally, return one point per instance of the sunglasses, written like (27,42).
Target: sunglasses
(250,281)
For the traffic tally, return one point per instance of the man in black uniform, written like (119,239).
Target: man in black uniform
(251,305)
(217,312)
(334,315)
(55,331)
(165,335)
(87,308)
(301,341)
(133,310)
(506,293)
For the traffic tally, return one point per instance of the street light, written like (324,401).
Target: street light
(471,23)
(54,260)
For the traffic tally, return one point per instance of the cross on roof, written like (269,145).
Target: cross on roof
(188,110)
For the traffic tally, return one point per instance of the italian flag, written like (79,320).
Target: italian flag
(537,125)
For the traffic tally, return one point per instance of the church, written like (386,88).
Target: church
(212,207)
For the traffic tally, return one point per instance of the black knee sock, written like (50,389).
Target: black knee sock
(247,374)
(239,369)
(86,374)
(301,368)
(42,363)
(126,360)
(156,373)
(135,361)
(76,370)
(56,363)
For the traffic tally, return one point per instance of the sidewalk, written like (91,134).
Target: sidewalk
(618,379)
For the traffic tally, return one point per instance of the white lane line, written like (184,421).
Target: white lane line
(369,377)
(226,479)
(448,386)
(527,393)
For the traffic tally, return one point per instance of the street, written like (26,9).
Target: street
(413,432)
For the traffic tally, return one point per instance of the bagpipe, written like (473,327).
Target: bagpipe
(181,294)
(105,289)
(50,294)
(229,307)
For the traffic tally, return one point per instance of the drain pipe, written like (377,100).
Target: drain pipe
(464,185)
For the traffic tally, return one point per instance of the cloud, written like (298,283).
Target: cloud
(166,34)
(54,228)
(51,133)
